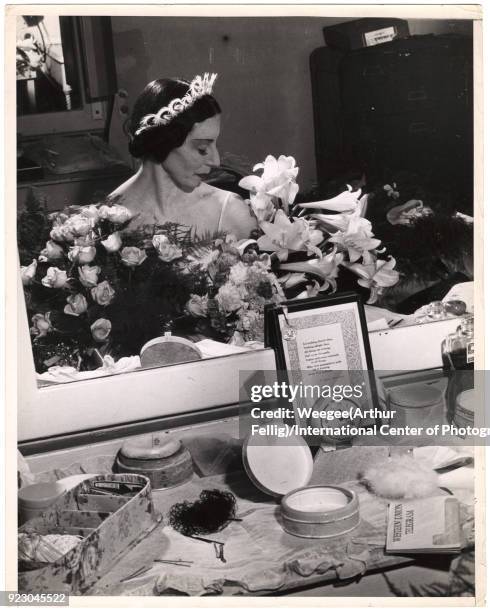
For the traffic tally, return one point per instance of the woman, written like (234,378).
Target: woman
(173,131)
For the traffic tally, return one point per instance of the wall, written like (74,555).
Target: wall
(263,85)
(264,78)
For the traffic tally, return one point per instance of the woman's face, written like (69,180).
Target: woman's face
(192,161)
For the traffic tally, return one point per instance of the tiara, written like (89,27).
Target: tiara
(199,87)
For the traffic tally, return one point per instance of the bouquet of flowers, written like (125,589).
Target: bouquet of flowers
(343,237)
(94,287)
(293,255)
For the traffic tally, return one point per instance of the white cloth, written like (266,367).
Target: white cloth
(64,374)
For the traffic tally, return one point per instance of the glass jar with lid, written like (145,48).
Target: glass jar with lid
(458,355)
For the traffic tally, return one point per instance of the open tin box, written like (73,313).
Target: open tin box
(283,470)
(108,513)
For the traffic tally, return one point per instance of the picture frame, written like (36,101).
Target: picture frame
(321,341)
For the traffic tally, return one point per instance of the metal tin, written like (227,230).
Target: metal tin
(320,511)
(166,464)
(107,531)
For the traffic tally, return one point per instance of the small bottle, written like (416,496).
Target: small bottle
(458,355)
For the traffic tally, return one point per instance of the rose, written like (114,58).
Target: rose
(55,278)
(57,234)
(103,294)
(84,241)
(92,212)
(28,273)
(167,251)
(101,329)
(112,243)
(197,305)
(41,324)
(77,305)
(89,275)
(66,233)
(132,256)
(115,214)
(82,254)
(79,225)
(51,252)
(229,298)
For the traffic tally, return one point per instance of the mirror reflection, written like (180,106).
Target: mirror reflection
(159,236)
(47,79)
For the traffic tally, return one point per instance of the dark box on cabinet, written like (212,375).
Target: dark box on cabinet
(365,33)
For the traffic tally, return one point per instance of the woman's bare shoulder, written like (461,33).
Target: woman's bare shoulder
(237,217)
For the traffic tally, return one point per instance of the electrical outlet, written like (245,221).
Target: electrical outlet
(97,110)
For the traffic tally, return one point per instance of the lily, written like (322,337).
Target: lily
(326,268)
(278,179)
(347,201)
(284,235)
(357,238)
(262,206)
(310,291)
(292,279)
(375,274)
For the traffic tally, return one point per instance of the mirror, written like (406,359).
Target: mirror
(46,69)
(72,156)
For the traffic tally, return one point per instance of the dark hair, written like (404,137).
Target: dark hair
(157,142)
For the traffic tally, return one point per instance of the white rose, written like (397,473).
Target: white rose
(51,252)
(132,256)
(55,278)
(57,234)
(82,254)
(112,243)
(101,329)
(103,294)
(115,214)
(28,273)
(91,212)
(79,225)
(77,305)
(89,275)
(167,251)
(41,324)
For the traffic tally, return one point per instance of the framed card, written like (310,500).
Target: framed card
(323,342)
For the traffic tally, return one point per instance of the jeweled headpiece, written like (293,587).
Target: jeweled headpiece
(199,87)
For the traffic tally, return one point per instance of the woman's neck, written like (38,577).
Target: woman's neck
(162,195)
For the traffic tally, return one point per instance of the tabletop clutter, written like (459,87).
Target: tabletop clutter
(75,530)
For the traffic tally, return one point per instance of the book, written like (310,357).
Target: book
(430,525)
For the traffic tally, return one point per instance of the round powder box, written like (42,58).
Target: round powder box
(320,511)
(34,499)
(161,458)
(276,466)
(416,405)
(168,350)
(283,467)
